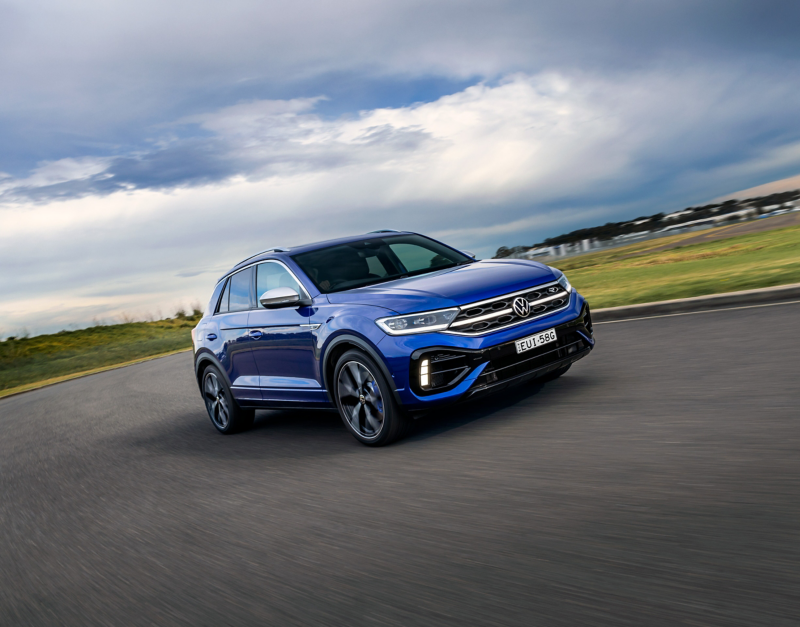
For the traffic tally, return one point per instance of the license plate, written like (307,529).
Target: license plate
(534,341)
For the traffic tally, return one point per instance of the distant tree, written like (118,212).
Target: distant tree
(197,309)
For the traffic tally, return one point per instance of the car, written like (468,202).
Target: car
(382,327)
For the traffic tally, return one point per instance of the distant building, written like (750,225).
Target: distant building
(677,214)
(743,213)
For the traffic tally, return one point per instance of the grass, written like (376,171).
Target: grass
(45,358)
(634,274)
(622,276)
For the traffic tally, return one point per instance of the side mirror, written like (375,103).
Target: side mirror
(281,297)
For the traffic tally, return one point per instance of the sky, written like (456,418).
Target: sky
(146,147)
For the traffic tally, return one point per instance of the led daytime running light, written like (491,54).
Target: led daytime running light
(424,374)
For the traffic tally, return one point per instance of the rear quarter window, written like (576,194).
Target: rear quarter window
(223,302)
(240,290)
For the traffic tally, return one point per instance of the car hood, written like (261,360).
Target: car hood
(451,287)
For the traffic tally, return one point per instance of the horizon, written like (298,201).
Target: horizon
(136,139)
(181,310)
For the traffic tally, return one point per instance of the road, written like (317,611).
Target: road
(657,483)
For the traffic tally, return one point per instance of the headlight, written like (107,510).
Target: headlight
(564,282)
(419,322)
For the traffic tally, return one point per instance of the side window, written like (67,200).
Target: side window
(240,290)
(272,275)
(415,257)
(223,302)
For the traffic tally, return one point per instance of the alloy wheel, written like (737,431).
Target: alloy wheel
(216,401)
(360,399)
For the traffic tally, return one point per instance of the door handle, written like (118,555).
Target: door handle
(255,334)
(211,336)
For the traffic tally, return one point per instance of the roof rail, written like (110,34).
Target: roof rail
(268,250)
(385,231)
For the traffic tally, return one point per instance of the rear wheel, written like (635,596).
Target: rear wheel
(365,401)
(225,413)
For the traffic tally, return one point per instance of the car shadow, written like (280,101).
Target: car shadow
(281,433)
(440,422)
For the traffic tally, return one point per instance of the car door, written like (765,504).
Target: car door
(283,342)
(233,346)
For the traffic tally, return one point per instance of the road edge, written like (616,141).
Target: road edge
(776,294)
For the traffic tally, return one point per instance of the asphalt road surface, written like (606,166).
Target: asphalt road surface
(657,483)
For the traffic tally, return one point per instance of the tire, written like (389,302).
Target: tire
(552,376)
(223,410)
(365,401)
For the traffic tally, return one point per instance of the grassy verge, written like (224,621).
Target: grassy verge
(630,275)
(83,373)
(45,358)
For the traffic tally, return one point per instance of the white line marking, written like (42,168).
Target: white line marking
(691,313)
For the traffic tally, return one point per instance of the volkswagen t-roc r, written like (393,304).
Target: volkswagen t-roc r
(380,326)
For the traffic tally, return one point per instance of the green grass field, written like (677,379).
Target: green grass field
(627,275)
(25,361)
(631,274)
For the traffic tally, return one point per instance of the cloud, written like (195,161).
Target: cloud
(503,163)
(88,74)
(479,142)
(145,147)
(560,135)
(254,139)
(49,178)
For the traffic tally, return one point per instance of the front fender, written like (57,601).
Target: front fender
(364,345)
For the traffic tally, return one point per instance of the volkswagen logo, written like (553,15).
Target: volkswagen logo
(521,307)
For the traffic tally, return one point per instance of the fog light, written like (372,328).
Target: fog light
(423,374)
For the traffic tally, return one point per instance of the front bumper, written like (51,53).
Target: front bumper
(463,368)
(531,367)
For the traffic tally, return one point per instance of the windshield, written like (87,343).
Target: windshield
(375,260)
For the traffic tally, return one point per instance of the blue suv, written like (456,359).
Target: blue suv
(380,326)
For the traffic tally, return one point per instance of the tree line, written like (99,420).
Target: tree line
(655,222)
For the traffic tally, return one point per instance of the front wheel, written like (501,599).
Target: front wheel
(225,413)
(365,401)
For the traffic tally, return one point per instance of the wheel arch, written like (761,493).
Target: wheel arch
(202,360)
(340,345)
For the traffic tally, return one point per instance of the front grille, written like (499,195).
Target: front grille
(449,366)
(498,313)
